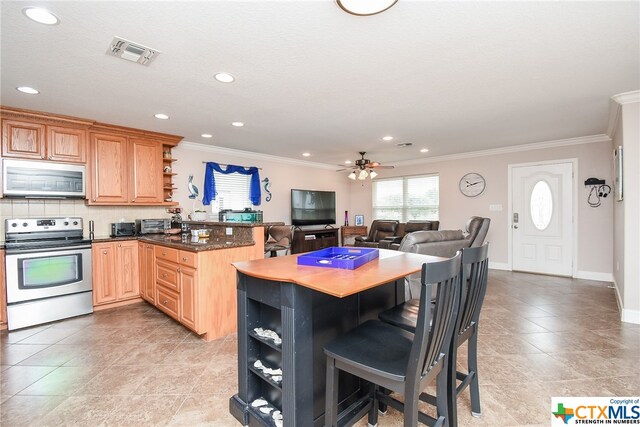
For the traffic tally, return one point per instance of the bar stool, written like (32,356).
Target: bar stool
(279,237)
(475,264)
(396,360)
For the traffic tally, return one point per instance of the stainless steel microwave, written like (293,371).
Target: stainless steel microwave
(40,179)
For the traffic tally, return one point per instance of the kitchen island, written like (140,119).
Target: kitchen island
(306,307)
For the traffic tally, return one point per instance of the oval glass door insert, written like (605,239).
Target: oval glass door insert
(541,205)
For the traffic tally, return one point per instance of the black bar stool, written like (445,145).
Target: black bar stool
(475,265)
(396,360)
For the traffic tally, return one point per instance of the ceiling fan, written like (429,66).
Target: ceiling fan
(360,168)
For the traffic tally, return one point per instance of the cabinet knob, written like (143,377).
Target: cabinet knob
(94,199)
(133,200)
(184,258)
(119,245)
(178,270)
(165,302)
(164,254)
(104,252)
(164,275)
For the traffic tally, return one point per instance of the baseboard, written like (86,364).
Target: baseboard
(631,316)
(499,266)
(594,275)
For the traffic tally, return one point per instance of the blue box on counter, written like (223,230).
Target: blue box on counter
(334,257)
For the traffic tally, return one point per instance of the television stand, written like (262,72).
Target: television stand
(314,239)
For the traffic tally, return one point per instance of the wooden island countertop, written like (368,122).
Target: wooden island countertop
(390,266)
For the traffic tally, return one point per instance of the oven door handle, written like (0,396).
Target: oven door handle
(46,250)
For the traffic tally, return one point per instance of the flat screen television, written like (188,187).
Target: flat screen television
(311,207)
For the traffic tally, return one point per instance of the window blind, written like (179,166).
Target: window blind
(407,198)
(233,191)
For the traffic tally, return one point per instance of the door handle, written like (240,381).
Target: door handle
(515,226)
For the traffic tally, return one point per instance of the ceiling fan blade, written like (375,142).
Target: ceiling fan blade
(380,167)
(344,169)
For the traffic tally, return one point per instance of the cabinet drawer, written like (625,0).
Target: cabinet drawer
(168,301)
(167,254)
(189,258)
(167,275)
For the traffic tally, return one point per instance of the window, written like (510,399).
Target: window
(407,198)
(233,191)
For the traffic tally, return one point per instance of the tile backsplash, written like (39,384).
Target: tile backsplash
(102,215)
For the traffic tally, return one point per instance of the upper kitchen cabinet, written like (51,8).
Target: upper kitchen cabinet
(126,166)
(42,136)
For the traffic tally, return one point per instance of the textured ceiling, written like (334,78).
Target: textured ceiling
(448,76)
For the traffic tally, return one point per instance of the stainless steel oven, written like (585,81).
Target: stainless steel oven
(48,270)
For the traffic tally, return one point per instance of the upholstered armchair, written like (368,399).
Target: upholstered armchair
(393,242)
(444,243)
(380,228)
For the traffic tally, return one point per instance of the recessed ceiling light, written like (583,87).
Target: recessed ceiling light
(347,162)
(206,135)
(237,124)
(387,138)
(424,150)
(40,15)
(224,77)
(161,116)
(28,90)
(306,154)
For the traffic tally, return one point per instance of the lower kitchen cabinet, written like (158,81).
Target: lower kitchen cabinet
(198,289)
(115,271)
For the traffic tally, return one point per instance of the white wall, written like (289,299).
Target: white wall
(627,226)
(595,237)
(283,174)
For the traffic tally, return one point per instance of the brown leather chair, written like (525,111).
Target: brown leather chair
(393,242)
(380,228)
(280,239)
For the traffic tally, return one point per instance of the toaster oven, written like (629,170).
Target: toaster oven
(152,226)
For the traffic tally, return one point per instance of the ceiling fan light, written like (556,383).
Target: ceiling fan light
(352,175)
(365,7)
(372,174)
(363,174)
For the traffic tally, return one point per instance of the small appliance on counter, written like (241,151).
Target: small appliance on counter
(119,229)
(246,215)
(152,226)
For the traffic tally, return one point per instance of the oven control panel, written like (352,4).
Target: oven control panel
(29,225)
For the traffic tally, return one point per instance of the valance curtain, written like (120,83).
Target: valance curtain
(210,192)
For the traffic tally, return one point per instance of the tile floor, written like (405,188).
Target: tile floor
(133,366)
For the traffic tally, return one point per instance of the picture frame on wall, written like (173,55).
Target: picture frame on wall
(617,174)
(359,220)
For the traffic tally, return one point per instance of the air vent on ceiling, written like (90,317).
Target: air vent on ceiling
(404,144)
(134,52)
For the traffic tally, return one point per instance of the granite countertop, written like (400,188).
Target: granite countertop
(184,242)
(235,224)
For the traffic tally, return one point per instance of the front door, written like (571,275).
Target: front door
(542,218)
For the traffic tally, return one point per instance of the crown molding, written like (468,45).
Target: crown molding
(627,97)
(252,155)
(512,149)
(615,105)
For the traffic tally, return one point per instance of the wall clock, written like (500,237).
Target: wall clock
(472,184)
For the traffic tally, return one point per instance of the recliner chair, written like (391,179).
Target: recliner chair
(380,228)
(444,243)
(393,242)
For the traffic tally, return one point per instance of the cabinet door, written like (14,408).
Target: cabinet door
(66,144)
(23,140)
(128,285)
(188,297)
(146,173)
(147,270)
(142,262)
(104,273)
(109,169)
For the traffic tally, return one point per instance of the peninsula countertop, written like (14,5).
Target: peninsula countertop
(184,241)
